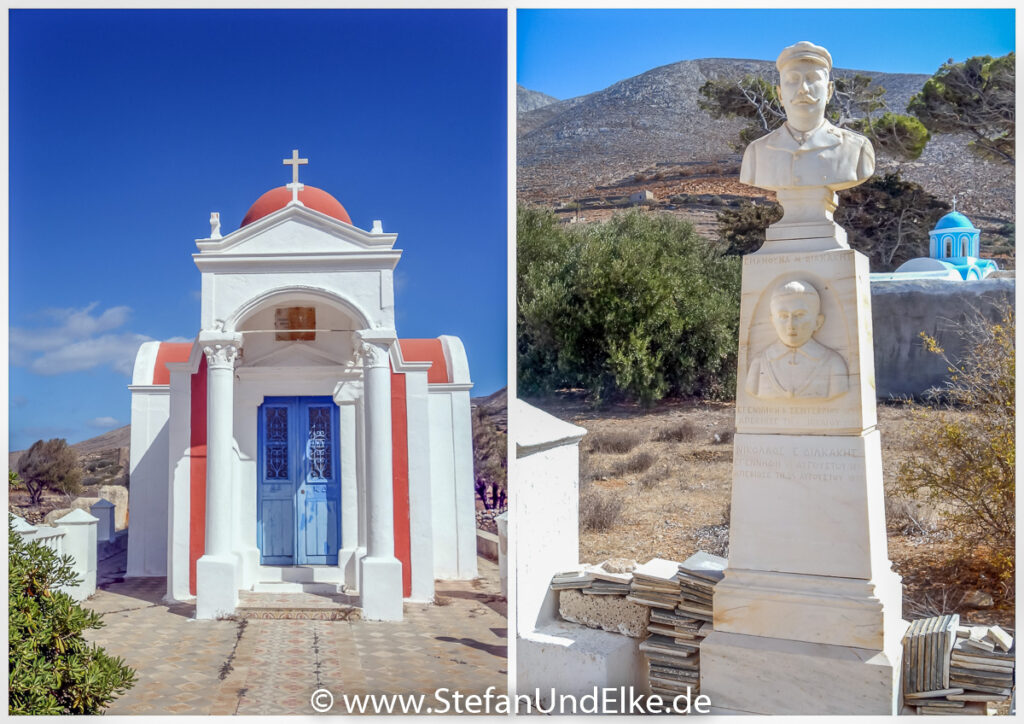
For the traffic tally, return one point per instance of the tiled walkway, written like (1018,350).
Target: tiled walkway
(268,666)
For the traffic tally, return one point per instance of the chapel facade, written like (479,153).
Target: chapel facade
(297,442)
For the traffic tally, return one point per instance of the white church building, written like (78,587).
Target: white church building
(296,441)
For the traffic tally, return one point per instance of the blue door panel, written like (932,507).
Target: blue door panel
(299,486)
(278,518)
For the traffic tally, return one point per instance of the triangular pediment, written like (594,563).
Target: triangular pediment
(297,354)
(297,230)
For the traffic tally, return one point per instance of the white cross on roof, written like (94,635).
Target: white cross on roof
(295,162)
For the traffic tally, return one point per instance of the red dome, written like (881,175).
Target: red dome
(310,196)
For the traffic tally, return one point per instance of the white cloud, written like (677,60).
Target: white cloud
(80,340)
(72,324)
(116,350)
(104,423)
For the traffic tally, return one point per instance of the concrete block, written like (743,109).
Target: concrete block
(216,591)
(900,311)
(609,613)
(566,658)
(381,593)
(487,545)
(502,521)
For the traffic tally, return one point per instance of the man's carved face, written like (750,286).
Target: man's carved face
(805,90)
(796,317)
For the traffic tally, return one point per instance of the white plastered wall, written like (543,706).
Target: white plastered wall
(451,468)
(421,527)
(179,471)
(148,485)
(546,493)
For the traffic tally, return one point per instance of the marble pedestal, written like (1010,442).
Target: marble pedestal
(807,618)
(744,674)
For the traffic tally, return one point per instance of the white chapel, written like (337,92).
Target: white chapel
(297,440)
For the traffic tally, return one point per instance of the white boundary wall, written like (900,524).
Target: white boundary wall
(75,536)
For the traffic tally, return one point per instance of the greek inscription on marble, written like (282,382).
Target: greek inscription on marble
(773,259)
(754,461)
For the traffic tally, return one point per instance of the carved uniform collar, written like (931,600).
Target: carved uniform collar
(788,139)
(810,350)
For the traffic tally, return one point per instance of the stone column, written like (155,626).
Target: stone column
(380,572)
(216,570)
(348,436)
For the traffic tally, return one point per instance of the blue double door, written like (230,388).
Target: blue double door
(299,488)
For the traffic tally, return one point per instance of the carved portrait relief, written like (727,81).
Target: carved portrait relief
(795,366)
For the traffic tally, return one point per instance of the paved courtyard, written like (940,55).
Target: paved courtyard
(273,666)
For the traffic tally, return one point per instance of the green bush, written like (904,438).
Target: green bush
(742,231)
(965,462)
(637,307)
(52,669)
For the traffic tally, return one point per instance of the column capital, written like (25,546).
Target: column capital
(221,348)
(373,346)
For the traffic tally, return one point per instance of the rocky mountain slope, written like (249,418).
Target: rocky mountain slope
(567,148)
(529,100)
(109,450)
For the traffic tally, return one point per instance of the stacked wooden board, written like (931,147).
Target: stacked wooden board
(679,598)
(954,669)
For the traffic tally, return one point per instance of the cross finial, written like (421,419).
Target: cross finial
(295,162)
(954,202)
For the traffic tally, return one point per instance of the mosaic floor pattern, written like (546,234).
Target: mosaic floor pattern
(265,665)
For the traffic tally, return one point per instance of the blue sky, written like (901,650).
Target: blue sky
(566,53)
(127,128)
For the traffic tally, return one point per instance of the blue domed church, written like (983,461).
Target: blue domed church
(954,252)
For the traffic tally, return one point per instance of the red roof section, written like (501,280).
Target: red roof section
(169,352)
(310,196)
(426,350)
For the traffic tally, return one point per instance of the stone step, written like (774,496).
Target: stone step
(297,605)
(301,574)
(295,587)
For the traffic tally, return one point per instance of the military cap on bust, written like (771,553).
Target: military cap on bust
(803,50)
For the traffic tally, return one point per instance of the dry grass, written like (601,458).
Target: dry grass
(614,442)
(634,464)
(681,432)
(679,503)
(599,510)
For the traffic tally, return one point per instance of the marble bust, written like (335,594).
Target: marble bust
(807,150)
(796,366)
